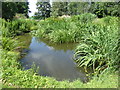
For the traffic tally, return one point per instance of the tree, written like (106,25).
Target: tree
(0,9)
(22,7)
(59,9)
(102,9)
(43,10)
(9,9)
(76,8)
(69,8)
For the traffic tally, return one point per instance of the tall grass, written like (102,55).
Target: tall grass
(84,18)
(98,38)
(99,47)
(16,27)
(14,77)
(63,30)
(8,44)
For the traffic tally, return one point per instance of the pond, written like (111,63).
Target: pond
(53,60)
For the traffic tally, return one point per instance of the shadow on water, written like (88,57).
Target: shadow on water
(53,60)
(25,41)
(65,46)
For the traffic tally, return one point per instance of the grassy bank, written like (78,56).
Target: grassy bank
(98,47)
(16,27)
(13,76)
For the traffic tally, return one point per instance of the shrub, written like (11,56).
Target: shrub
(84,18)
(16,27)
(110,20)
(64,30)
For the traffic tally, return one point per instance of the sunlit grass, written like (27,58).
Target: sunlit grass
(63,30)
(14,77)
(98,47)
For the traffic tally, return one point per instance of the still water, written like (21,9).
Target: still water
(53,60)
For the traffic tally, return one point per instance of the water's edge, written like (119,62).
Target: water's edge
(53,60)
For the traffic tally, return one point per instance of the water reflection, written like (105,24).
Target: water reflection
(53,60)
(65,47)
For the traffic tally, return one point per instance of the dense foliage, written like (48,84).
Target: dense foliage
(63,30)
(43,10)
(59,9)
(9,9)
(98,47)
(69,8)
(98,38)
(101,9)
(13,76)
(16,27)
(99,42)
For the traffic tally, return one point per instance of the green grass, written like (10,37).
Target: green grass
(14,77)
(98,46)
(64,30)
(98,38)
(16,27)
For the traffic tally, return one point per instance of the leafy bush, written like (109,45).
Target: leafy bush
(110,20)
(16,27)
(64,30)
(84,18)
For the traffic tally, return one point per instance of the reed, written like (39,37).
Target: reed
(98,47)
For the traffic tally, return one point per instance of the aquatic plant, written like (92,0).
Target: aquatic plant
(97,39)
(8,44)
(98,47)
(63,30)
(14,77)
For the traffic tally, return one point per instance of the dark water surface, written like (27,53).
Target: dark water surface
(53,60)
